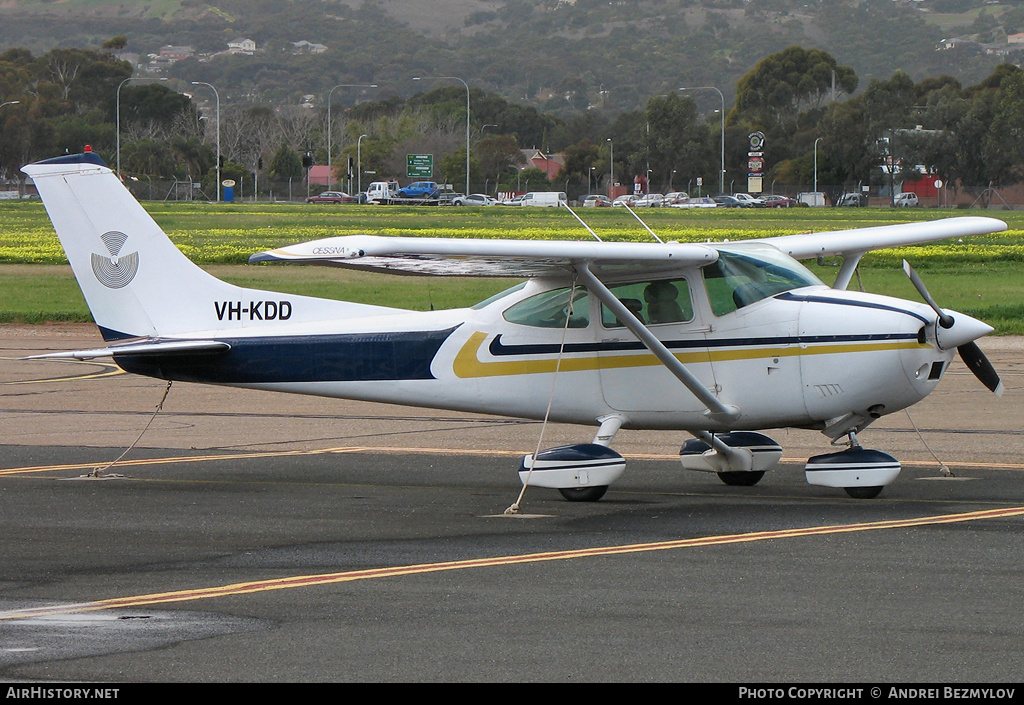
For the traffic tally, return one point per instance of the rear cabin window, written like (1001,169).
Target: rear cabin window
(550,308)
(665,301)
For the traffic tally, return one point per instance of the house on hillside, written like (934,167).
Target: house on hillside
(304,47)
(242,46)
(172,53)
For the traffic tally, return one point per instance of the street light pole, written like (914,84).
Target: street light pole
(330,144)
(359,161)
(721,172)
(611,169)
(456,78)
(217,95)
(816,168)
(117,116)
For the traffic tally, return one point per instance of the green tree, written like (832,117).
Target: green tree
(452,169)
(498,157)
(286,164)
(787,83)
(155,103)
(581,163)
(675,141)
(533,179)
(1004,142)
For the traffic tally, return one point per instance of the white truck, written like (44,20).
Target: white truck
(380,191)
(388,193)
(815,199)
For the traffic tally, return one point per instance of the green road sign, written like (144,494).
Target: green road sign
(419,166)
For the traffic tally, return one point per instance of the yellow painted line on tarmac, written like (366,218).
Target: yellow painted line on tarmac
(108,370)
(172,460)
(303,581)
(141,462)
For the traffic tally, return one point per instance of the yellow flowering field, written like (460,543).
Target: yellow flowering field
(980,276)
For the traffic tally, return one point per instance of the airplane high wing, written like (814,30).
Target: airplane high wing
(532,258)
(489,258)
(719,340)
(860,240)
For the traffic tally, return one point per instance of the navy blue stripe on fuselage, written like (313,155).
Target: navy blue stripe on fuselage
(499,349)
(789,296)
(301,358)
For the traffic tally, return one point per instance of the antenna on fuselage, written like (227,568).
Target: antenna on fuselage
(589,230)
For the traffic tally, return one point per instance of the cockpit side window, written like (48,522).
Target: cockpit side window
(739,279)
(653,302)
(548,309)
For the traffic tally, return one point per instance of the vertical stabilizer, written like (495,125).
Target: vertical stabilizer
(135,281)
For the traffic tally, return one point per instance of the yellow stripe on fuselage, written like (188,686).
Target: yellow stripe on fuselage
(467,363)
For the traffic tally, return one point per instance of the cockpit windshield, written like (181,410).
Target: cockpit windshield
(500,295)
(749,272)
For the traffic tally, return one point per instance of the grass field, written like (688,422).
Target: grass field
(983,277)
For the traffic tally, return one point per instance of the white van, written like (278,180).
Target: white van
(544,198)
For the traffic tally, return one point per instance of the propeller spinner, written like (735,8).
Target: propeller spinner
(960,331)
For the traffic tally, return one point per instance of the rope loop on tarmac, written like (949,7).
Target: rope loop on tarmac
(99,472)
(514,507)
(943,468)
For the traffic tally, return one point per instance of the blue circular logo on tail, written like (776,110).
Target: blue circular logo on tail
(115,271)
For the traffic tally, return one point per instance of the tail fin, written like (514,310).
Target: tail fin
(135,281)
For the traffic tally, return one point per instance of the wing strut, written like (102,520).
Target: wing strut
(717,411)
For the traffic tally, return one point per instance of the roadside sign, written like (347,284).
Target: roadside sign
(419,166)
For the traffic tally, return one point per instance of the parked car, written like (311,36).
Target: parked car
(778,201)
(474,199)
(699,202)
(625,200)
(418,189)
(650,200)
(852,200)
(748,201)
(728,202)
(332,197)
(906,200)
(596,201)
(674,197)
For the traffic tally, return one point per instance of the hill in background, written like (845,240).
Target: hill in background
(559,55)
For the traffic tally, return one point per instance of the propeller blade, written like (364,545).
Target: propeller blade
(976,361)
(945,320)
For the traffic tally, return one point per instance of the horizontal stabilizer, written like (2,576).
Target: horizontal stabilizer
(141,347)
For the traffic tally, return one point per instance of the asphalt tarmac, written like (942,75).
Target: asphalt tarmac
(253,537)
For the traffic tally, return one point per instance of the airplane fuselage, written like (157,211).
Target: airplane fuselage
(796,358)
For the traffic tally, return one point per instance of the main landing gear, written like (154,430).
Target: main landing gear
(582,472)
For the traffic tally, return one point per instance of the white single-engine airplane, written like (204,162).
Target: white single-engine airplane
(718,339)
